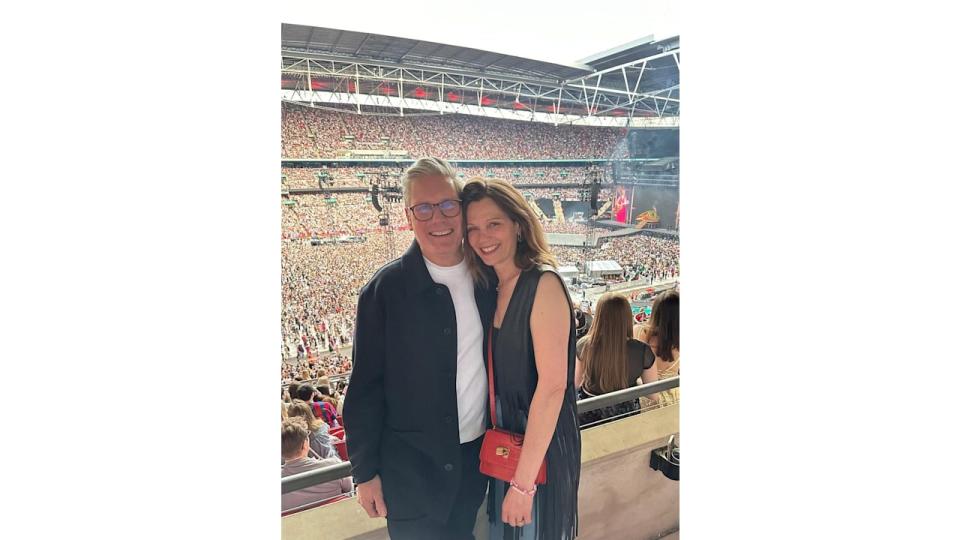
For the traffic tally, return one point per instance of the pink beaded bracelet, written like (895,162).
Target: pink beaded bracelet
(513,484)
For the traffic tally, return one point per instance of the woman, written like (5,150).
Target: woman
(321,442)
(533,340)
(662,334)
(609,359)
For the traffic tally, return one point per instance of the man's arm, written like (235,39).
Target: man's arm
(363,409)
(364,405)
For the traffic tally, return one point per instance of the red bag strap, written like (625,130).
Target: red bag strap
(493,406)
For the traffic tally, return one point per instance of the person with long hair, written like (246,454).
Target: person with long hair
(321,442)
(662,334)
(620,206)
(610,359)
(532,339)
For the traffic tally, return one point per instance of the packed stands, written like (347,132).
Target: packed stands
(643,257)
(361,177)
(317,133)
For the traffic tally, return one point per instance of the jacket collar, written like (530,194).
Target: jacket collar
(417,277)
(414,270)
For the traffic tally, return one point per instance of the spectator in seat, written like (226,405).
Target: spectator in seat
(293,389)
(323,386)
(662,334)
(321,442)
(321,409)
(326,393)
(295,446)
(610,359)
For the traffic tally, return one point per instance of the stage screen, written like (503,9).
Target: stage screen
(664,199)
(654,143)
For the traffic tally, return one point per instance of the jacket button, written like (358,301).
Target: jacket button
(439,290)
(448,419)
(448,467)
(446,331)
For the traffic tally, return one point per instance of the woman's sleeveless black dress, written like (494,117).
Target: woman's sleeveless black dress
(515,374)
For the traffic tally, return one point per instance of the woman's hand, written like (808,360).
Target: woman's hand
(517,508)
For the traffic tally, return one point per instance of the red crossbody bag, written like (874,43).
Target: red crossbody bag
(500,452)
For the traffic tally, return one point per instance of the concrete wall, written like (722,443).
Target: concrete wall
(620,497)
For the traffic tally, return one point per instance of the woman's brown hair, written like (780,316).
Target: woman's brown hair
(604,354)
(302,409)
(532,249)
(665,323)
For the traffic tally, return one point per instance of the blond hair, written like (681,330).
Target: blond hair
(293,431)
(302,409)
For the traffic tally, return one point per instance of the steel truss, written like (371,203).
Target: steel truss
(588,93)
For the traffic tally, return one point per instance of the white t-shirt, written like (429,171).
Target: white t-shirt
(471,373)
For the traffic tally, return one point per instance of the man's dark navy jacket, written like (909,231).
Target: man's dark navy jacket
(400,412)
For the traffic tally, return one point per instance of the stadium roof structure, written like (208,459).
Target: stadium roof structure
(636,84)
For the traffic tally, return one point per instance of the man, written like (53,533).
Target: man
(416,411)
(295,447)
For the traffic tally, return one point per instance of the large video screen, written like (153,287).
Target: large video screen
(654,143)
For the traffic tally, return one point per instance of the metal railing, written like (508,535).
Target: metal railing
(627,394)
(342,470)
(314,477)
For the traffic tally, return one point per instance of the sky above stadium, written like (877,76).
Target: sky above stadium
(562,33)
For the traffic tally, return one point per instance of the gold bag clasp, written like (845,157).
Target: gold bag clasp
(503,451)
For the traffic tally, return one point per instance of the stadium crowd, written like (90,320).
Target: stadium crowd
(339,214)
(569,227)
(361,177)
(643,257)
(646,257)
(353,214)
(319,289)
(316,133)
(314,367)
